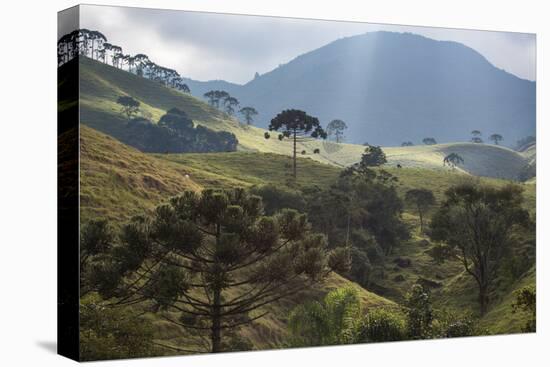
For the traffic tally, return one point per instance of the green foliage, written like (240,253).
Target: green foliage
(441,253)
(422,199)
(196,252)
(419,313)
(277,197)
(130,106)
(298,126)
(382,325)
(176,133)
(480,221)
(451,325)
(113,332)
(329,322)
(526,302)
(373,156)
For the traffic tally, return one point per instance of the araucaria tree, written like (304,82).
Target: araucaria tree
(248,114)
(422,199)
(479,221)
(496,138)
(298,126)
(336,128)
(216,260)
(130,106)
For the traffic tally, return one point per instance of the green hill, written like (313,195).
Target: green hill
(101,85)
(117,181)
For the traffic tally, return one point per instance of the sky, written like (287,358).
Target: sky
(209,46)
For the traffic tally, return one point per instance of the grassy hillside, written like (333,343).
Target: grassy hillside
(101,85)
(117,181)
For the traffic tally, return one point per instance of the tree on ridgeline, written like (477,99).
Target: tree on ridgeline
(496,138)
(407,144)
(453,160)
(476,137)
(130,106)
(248,114)
(215,260)
(429,141)
(221,96)
(423,200)
(211,97)
(480,221)
(230,104)
(335,129)
(298,126)
(373,156)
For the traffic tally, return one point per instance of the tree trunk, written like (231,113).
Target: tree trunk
(483,299)
(294,157)
(216,300)
(216,322)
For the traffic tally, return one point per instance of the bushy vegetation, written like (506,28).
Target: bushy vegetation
(176,133)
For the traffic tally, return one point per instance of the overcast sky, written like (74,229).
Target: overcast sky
(207,46)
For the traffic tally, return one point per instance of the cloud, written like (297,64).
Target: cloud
(208,46)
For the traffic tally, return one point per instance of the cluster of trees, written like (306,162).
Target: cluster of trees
(222,100)
(175,132)
(341,319)
(476,137)
(93,44)
(206,262)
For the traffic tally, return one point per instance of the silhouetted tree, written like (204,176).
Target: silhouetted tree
(129,105)
(407,144)
(214,258)
(230,103)
(496,138)
(298,126)
(453,160)
(336,128)
(422,199)
(248,114)
(479,222)
(429,141)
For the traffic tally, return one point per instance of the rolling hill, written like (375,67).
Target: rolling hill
(117,181)
(394,87)
(101,85)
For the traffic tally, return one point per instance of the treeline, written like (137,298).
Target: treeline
(175,132)
(93,44)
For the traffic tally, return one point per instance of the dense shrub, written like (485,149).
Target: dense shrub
(382,325)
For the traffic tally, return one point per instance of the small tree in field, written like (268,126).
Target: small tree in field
(496,138)
(130,106)
(336,128)
(216,260)
(373,156)
(407,144)
(479,222)
(526,302)
(298,126)
(429,141)
(422,199)
(248,114)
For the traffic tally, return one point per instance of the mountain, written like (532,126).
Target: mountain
(101,85)
(394,87)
